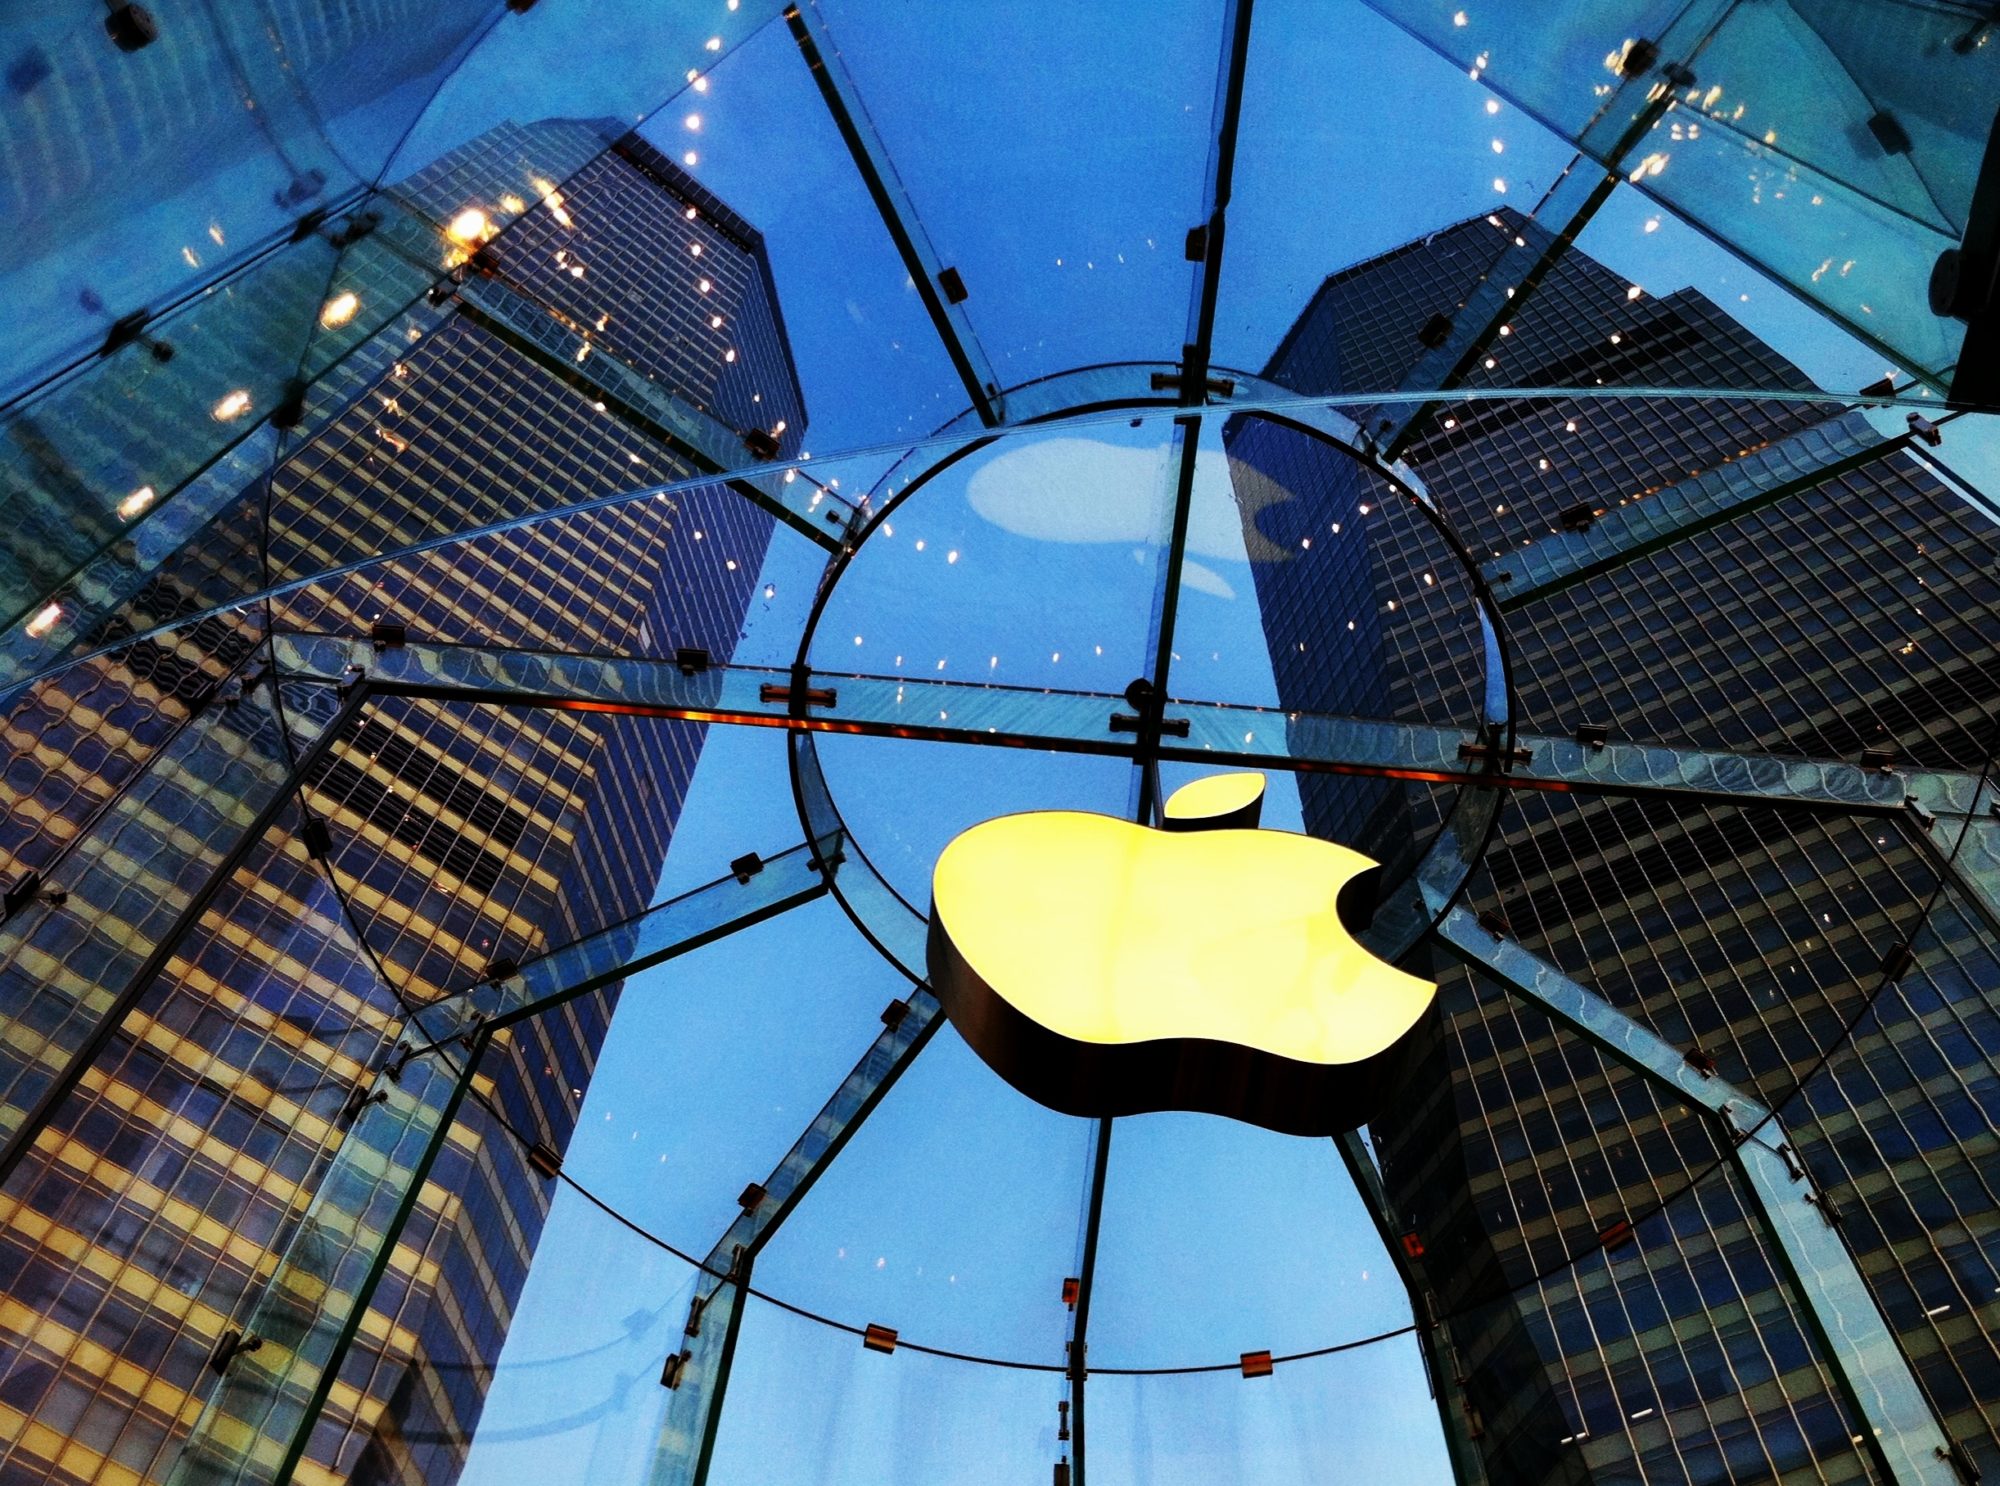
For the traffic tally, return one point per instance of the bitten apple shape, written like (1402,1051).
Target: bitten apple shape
(1106,968)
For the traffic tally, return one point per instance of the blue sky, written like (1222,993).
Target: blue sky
(1057,161)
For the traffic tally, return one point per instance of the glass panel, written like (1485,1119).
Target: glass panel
(951,1216)
(1364,1412)
(1894,1166)
(196,1137)
(139,174)
(1796,164)
(1306,1268)
(255,1426)
(809,1402)
(993,533)
(574,1394)
(99,451)
(1091,273)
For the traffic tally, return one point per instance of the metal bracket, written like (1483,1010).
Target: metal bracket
(359,1098)
(1126,722)
(810,696)
(1492,753)
(1177,382)
(229,1346)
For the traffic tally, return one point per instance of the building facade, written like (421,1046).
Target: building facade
(244,887)
(1601,1289)
(130,178)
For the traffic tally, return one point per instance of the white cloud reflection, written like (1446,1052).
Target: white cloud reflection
(1079,490)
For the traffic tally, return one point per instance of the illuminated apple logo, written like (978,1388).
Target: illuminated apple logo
(1107,968)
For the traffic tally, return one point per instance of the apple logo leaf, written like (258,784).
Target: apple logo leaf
(1107,968)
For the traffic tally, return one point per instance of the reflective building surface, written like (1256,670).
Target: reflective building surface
(475,764)
(1524,1159)
(163,1148)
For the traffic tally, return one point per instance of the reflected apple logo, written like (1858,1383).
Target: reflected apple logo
(1107,968)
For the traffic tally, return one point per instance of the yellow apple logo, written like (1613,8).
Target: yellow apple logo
(1106,968)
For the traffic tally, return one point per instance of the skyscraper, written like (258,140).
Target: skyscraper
(131,177)
(243,888)
(1613,1312)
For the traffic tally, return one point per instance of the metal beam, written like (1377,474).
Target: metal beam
(254,1429)
(1095,723)
(115,907)
(698,1373)
(1627,117)
(1898,1430)
(1629,532)
(937,285)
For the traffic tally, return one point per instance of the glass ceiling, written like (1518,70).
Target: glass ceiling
(1039,268)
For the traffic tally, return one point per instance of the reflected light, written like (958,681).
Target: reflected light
(339,310)
(235,405)
(44,620)
(136,502)
(469,228)
(553,200)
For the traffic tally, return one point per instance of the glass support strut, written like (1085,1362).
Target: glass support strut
(254,1428)
(1626,533)
(940,288)
(698,1373)
(1081,722)
(1628,115)
(712,448)
(1468,1467)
